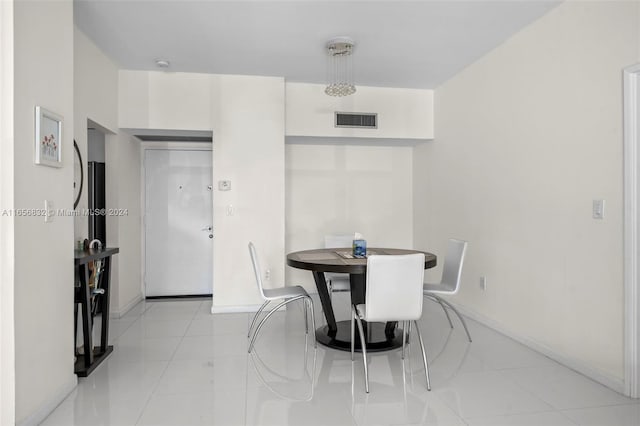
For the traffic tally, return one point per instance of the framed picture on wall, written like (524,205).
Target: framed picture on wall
(48,138)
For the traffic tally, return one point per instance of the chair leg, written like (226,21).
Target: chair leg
(450,306)
(313,321)
(306,317)
(444,308)
(404,336)
(75,328)
(255,317)
(409,335)
(353,331)
(364,353)
(271,312)
(424,356)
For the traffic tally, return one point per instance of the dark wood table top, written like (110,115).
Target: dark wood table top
(336,259)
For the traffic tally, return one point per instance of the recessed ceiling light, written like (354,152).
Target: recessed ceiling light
(162,63)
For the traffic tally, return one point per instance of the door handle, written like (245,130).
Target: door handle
(207,228)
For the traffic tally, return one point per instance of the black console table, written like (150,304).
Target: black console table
(92,356)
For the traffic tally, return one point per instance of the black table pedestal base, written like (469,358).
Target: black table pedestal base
(377,339)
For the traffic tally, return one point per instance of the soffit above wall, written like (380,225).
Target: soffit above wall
(167,135)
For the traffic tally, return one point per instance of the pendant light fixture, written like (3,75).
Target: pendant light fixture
(340,67)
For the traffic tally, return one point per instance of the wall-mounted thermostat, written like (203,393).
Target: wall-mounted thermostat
(224,185)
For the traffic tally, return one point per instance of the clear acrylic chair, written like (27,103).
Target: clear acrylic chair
(394,293)
(450,281)
(285,294)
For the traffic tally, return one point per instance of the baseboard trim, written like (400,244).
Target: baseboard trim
(122,312)
(180,297)
(614,383)
(48,406)
(236,309)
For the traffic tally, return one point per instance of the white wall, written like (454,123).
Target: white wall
(342,188)
(160,100)
(96,101)
(364,188)
(95,145)
(246,115)
(7,341)
(526,138)
(96,83)
(43,272)
(402,113)
(125,232)
(248,149)
(341,180)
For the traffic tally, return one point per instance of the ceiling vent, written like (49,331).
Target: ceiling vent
(356,119)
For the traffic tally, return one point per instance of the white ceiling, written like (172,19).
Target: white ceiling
(416,44)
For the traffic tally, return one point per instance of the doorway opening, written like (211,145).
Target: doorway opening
(178,220)
(96,180)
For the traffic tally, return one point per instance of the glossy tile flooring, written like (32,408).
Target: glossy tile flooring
(176,364)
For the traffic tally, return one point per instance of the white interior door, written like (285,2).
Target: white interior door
(178,223)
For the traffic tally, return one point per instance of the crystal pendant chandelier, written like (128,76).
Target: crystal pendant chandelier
(340,67)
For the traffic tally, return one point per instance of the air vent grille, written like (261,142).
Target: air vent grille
(359,120)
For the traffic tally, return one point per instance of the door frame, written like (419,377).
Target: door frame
(7,264)
(169,146)
(631,85)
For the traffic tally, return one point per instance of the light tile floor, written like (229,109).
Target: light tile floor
(176,364)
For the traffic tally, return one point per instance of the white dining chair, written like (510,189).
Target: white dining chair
(394,293)
(337,282)
(286,294)
(450,281)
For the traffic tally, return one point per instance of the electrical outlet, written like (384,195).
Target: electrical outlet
(483,283)
(267,274)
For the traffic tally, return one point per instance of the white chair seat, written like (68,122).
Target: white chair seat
(361,312)
(284,292)
(438,288)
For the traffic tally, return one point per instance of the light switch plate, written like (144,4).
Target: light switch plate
(48,211)
(598,209)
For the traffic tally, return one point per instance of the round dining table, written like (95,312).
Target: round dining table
(337,334)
